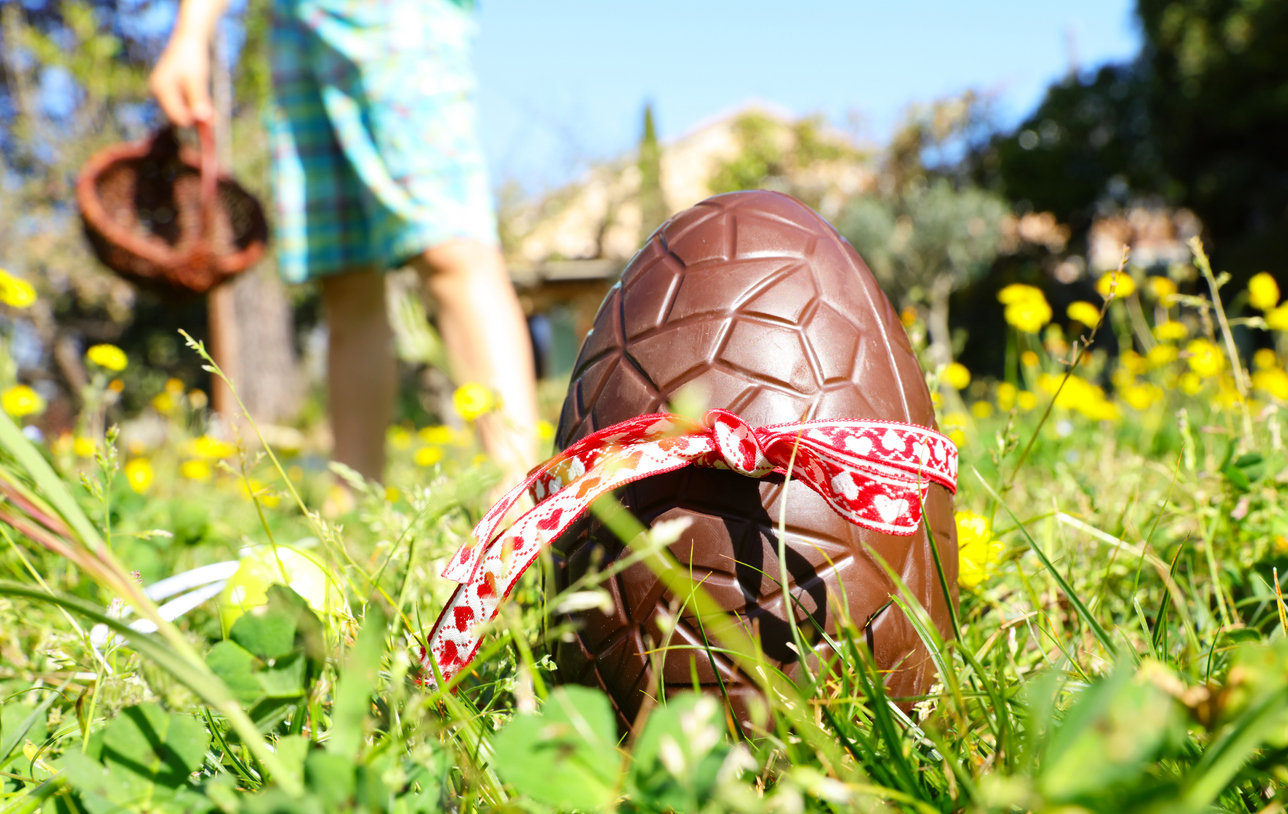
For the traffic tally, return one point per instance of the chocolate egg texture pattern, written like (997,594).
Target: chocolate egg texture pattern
(755,301)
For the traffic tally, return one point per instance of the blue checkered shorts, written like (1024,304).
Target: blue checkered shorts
(376,157)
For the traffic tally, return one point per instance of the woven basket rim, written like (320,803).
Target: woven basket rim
(155,252)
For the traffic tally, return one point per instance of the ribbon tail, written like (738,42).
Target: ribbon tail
(456,636)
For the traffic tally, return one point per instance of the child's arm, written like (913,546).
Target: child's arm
(181,79)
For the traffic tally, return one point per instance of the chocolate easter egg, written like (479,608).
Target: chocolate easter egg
(755,301)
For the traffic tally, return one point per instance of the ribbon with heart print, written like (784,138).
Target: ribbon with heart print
(875,474)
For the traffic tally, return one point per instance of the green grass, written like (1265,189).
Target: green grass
(1123,649)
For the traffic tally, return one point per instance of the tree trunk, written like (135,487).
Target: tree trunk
(250,319)
(941,339)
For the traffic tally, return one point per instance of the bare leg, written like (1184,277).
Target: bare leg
(487,340)
(361,378)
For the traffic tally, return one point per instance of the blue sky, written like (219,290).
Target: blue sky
(564,83)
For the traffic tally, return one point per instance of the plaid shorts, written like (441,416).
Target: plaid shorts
(375,152)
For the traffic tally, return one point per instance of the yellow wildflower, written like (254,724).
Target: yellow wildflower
(1171,331)
(1163,288)
(399,437)
(1019,292)
(20,400)
(174,387)
(257,489)
(981,409)
(1084,312)
(116,385)
(1028,314)
(977,551)
(1006,396)
(955,424)
(1026,400)
(108,357)
(197,398)
(473,400)
(1029,359)
(83,447)
(1277,319)
(1263,292)
(1190,383)
(392,495)
(211,448)
(428,456)
(1273,382)
(162,403)
(1124,287)
(1205,358)
(1134,362)
(138,473)
(15,292)
(439,434)
(545,430)
(1142,396)
(1161,355)
(197,470)
(908,316)
(957,375)
(1264,359)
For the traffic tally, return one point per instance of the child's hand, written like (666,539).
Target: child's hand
(181,80)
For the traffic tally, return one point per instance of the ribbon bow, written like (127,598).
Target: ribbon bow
(873,473)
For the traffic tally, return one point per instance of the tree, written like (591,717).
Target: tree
(1199,119)
(928,232)
(653,208)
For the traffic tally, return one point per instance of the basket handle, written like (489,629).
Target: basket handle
(209,179)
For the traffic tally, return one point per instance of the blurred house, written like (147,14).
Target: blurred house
(1155,235)
(568,248)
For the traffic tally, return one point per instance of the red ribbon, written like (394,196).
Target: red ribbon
(873,473)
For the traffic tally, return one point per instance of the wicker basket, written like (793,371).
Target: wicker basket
(165,218)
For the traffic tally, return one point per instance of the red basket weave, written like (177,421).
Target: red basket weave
(166,218)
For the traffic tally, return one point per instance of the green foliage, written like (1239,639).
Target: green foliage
(653,208)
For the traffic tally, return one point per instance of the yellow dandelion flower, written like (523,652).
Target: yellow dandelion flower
(977,551)
(981,409)
(1205,358)
(197,470)
(1264,359)
(1028,316)
(174,387)
(428,456)
(1277,319)
(473,400)
(545,430)
(1171,331)
(1122,284)
(116,385)
(1006,393)
(1019,292)
(439,434)
(1084,312)
(83,447)
(211,449)
(1142,396)
(1273,382)
(392,495)
(1190,383)
(1026,400)
(1134,362)
(108,357)
(1029,359)
(399,437)
(15,291)
(1161,355)
(20,400)
(139,474)
(957,375)
(1263,292)
(258,490)
(1163,288)
(162,403)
